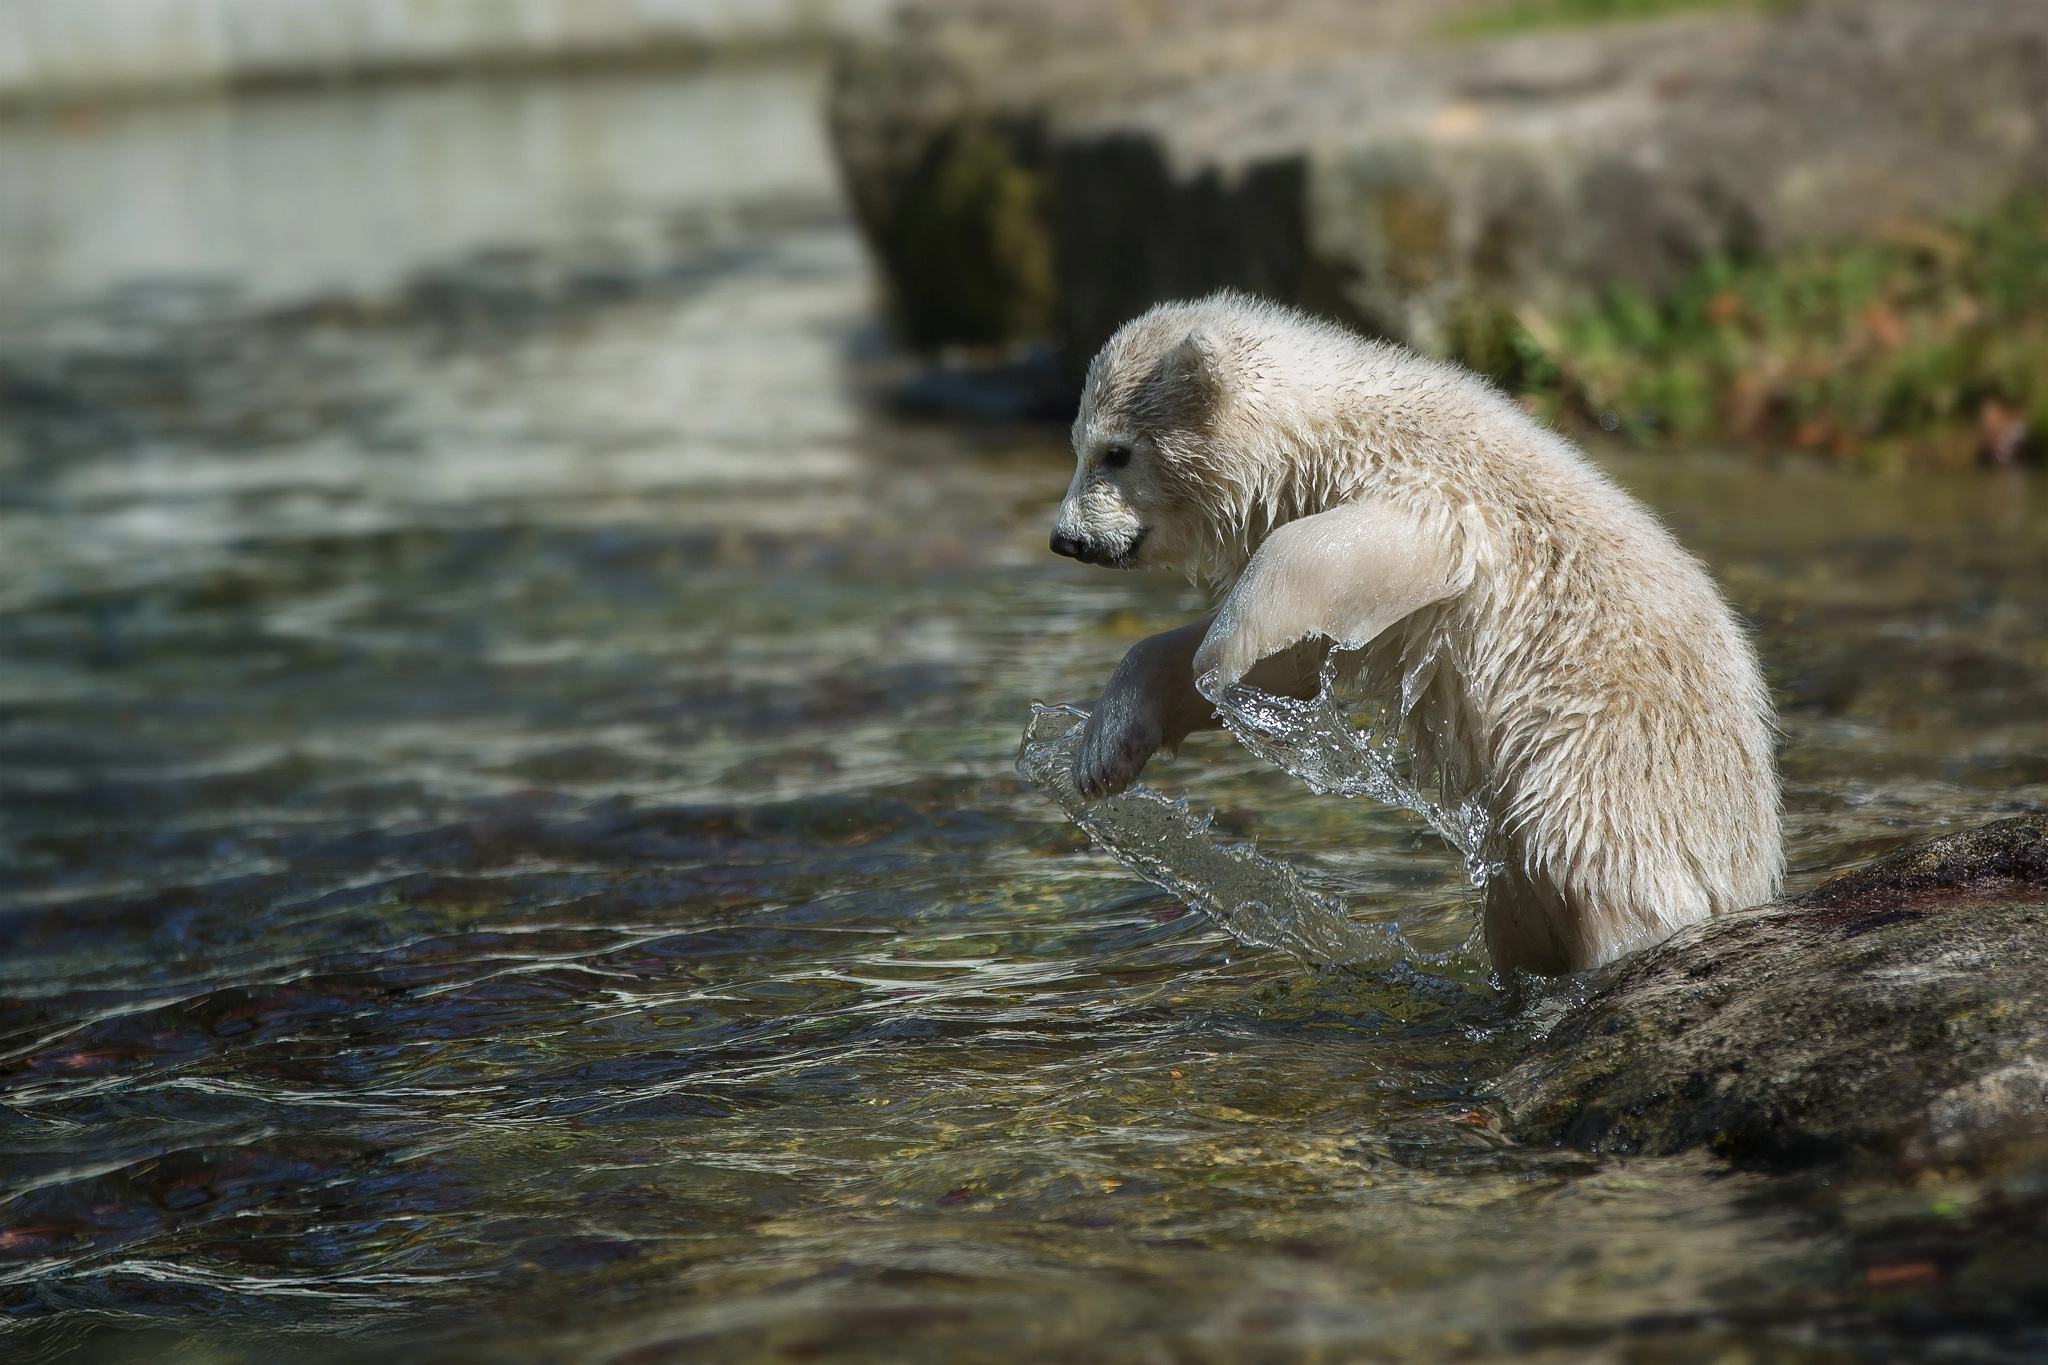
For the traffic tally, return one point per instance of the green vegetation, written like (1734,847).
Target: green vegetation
(1926,343)
(1523,15)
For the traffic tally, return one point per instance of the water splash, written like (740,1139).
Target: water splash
(1258,901)
(1319,742)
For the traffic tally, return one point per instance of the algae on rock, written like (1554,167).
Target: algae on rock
(965,244)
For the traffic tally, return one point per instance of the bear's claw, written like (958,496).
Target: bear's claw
(1106,763)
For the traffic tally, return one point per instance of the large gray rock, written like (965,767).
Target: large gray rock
(949,132)
(1899,1011)
(1016,174)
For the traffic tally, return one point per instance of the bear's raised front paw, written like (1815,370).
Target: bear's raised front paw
(1111,756)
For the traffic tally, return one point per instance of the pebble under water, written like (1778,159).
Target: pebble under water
(513,850)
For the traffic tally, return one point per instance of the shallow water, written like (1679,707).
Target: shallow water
(512,846)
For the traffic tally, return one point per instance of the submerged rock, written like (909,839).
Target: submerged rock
(1899,1011)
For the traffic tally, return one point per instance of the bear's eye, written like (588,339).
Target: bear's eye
(1116,457)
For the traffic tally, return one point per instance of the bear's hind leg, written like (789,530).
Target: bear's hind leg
(1524,926)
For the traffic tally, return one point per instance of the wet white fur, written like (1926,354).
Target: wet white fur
(1597,684)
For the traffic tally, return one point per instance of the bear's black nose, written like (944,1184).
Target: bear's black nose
(1064,544)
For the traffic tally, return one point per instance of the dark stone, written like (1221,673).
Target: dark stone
(2010,855)
(1898,1011)
(1128,233)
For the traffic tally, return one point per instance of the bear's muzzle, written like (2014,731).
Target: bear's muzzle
(1095,552)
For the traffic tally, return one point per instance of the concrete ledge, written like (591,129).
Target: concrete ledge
(57,49)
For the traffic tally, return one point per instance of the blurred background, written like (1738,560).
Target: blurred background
(522,570)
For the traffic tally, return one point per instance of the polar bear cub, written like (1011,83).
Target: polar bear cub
(1590,681)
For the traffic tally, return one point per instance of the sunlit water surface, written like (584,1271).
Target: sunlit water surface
(512,848)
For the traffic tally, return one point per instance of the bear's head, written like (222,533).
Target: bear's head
(1139,482)
(1184,449)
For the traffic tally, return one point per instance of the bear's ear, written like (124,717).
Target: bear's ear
(1192,373)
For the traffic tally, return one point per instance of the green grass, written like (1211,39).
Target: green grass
(1927,343)
(1526,15)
